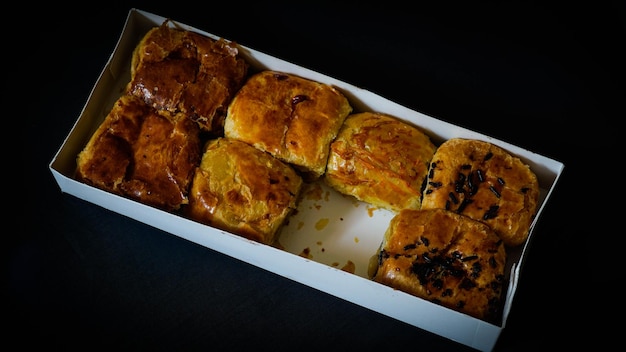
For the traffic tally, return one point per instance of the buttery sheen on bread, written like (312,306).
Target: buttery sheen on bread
(149,145)
(243,190)
(139,153)
(292,118)
(179,71)
(446,258)
(484,182)
(380,159)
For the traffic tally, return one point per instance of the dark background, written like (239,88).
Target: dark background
(546,77)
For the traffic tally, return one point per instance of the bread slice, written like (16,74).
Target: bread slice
(140,154)
(292,118)
(484,182)
(180,71)
(446,258)
(380,159)
(243,190)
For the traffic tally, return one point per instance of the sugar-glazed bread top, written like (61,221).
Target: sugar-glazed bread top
(141,154)
(381,160)
(292,118)
(175,70)
(244,190)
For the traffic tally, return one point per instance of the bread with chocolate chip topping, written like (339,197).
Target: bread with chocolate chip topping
(483,181)
(446,258)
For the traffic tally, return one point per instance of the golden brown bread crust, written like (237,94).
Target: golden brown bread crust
(292,118)
(483,181)
(243,190)
(446,258)
(140,154)
(181,71)
(381,160)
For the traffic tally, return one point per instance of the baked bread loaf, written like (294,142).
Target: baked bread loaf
(176,71)
(138,153)
(484,182)
(380,159)
(446,258)
(243,190)
(292,118)
(149,145)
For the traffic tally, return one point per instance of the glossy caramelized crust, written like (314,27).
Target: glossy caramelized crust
(290,117)
(243,190)
(140,154)
(181,71)
(446,258)
(483,181)
(381,160)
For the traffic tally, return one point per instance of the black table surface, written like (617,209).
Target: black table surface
(544,77)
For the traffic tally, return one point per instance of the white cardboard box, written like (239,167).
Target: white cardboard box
(334,231)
